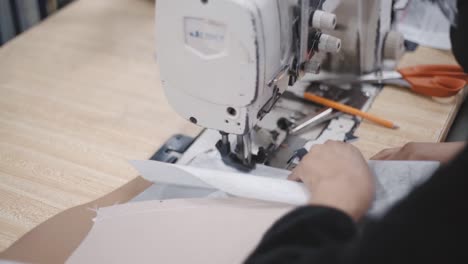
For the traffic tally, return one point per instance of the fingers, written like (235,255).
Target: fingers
(334,142)
(340,146)
(385,154)
(316,154)
(338,176)
(327,146)
(294,177)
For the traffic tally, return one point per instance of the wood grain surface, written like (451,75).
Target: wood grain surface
(80,95)
(420,118)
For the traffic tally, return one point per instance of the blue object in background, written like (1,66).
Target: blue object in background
(27,14)
(17,16)
(7,24)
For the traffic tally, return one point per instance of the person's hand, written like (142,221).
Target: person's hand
(337,176)
(443,152)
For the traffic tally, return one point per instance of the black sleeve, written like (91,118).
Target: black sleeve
(459,35)
(307,234)
(429,226)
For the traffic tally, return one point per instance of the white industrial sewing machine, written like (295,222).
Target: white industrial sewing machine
(227,65)
(239,68)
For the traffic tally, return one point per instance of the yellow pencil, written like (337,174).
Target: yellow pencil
(349,110)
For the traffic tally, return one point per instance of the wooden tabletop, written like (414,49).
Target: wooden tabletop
(80,95)
(420,118)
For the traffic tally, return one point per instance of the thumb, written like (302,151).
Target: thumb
(294,176)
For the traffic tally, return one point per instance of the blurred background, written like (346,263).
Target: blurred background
(17,16)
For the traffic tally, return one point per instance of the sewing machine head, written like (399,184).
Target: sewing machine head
(365,26)
(225,63)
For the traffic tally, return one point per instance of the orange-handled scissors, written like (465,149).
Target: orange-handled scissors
(430,80)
